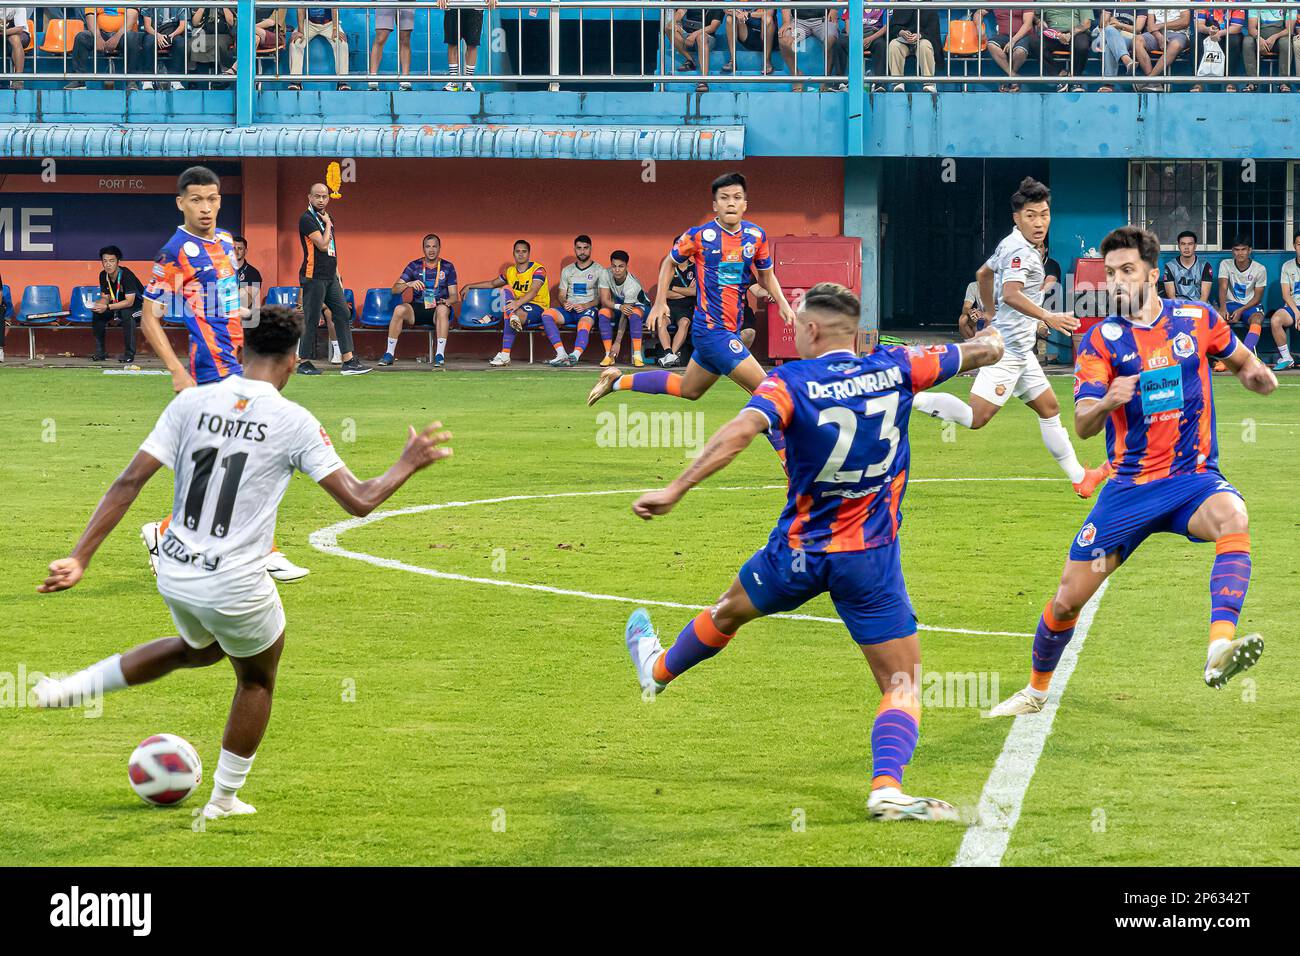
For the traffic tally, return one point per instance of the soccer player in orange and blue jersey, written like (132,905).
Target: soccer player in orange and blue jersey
(729,253)
(845,421)
(195,279)
(1144,373)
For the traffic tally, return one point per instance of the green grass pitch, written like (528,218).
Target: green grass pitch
(430,721)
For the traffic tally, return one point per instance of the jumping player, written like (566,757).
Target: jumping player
(233,448)
(1013,278)
(728,254)
(1145,374)
(845,422)
(195,279)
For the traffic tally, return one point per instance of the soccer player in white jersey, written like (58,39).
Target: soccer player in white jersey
(1242,282)
(1013,279)
(233,446)
(1288,316)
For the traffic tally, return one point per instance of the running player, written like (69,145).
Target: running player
(578,297)
(1289,315)
(527,301)
(728,254)
(233,448)
(196,281)
(1013,278)
(845,421)
(621,295)
(1144,373)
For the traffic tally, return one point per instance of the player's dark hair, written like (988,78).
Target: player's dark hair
(1146,242)
(582,238)
(1242,241)
(620,255)
(833,298)
(729,179)
(525,243)
(432,235)
(196,176)
(110,251)
(1031,190)
(239,239)
(276,333)
(1187,234)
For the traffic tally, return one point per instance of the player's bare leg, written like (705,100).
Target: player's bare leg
(1079,582)
(442,326)
(1057,440)
(895,731)
(1222,518)
(141,664)
(250,712)
(1280,322)
(403,315)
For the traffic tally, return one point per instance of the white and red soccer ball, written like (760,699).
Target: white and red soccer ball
(164,770)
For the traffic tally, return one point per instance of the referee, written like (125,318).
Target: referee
(319,279)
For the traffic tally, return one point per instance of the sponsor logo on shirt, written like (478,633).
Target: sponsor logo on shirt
(1184,345)
(708,235)
(191,249)
(1087,535)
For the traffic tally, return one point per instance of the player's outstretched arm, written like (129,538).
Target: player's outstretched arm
(727,442)
(359,498)
(121,494)
(151,325)
(983,348)
(1250,371)
(1013,294)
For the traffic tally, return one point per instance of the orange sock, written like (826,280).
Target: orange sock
(164,525)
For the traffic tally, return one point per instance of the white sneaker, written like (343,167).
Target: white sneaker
(336,355)
(2,355)
(669,359)
(284,570)
(561,360)
(149,534)
(147,85)
(49,694)
(451,87)
(643,644)
(890,803)
(501,358)
(575,357)
(372,85)
(177,85)
(404,86)
(238,808)
(1021,702)
(469,88)
(1226,659)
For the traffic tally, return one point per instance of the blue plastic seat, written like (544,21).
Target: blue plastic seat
(83,297)
(8,300)
(377,311)
(286,295)
(476,310)
(37,299)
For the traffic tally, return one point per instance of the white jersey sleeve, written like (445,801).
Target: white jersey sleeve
(164,441)
(1259,275)
(313,453)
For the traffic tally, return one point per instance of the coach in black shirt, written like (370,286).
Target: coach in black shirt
(119,298)
(319,279)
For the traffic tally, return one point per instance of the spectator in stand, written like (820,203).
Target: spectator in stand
(386,21)
(1167,31)
(1287,317)
(1010,46)
(1119,32)
(693,31)
(459,25)
(212,38)
(1061,30)
(13,25)
(1242,282)
(250,279)
(914,34)
(1226,28)
(431,280)
(873,47)
(316,22)
(160,45)
(318,278)
(104,37)
(120,293)
(1187,276)
(681,296)
(753,29)
(1269,31)
(800,24)
(972,312)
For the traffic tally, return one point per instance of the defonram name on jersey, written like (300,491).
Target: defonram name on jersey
(233,447)
(1016,260)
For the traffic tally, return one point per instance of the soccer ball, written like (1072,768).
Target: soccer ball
(164,770)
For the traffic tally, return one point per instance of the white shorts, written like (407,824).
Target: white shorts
(1018,375)
(243,630)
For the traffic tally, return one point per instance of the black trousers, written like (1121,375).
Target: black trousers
(329,293)
(840,55)
(140,50)
(99,325)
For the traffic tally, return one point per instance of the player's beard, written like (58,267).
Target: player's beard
(1131,304)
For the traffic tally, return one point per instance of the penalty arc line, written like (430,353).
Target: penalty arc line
(985,842)
(327,540)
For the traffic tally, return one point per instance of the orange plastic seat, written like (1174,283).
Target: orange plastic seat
(31,36)
(60,35)
(964,38)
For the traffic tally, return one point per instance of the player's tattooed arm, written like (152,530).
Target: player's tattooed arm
(727,442)
(121,494)
(1090,414)
(1253,374)
(358,498)
(151,326)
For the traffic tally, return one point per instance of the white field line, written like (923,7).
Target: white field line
(986,841)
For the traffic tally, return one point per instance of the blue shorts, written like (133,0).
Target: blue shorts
(532,313)
(717,351)
(1246,316)
(866,587)
(570,317)
(1125,515)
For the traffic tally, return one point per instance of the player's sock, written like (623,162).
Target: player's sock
(392,347)
(607,329)
(1049,644)
(508,339)
(634,324)
(657,382)
(1284,352)
(698,641)
(231,773)
(1252,336)
(90,682)
(552,331)
(1057,440)
(1229,581)
(584,335)
(893,738)
(469,70)
(950,408)
(164,525)
(442,346)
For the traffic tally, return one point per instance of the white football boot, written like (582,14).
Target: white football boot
(890,803)
(501,358)
(49,694)
(1021,702)
(149,535)
(643,644)
(284,570)
(604,385)
(238,808)
(1226,659)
